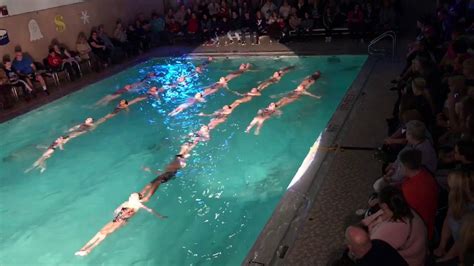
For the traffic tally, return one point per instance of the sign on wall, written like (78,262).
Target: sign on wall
(35,31)
(59,22)
(16,7)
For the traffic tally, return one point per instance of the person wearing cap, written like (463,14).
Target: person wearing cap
(25,67)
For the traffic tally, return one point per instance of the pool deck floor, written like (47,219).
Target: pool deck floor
(348,181)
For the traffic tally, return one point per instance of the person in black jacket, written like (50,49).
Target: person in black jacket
(260,26)
(248,26)
(235,28)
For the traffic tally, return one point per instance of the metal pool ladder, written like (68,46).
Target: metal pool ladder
(381,51)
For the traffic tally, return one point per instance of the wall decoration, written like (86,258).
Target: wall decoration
(60,25)
(4,40)
(85,17)
(3,11)
(35,31)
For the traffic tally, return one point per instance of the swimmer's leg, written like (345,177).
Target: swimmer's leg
(259,126)
(251,125)
(94,242)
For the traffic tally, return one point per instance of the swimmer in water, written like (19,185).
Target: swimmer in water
(124,212)
(127,88)
(41,162)
(203,134)
(224,111)
(121,106)
(191,101)
(82,128)
(262,116)
(299,91)
(154,92)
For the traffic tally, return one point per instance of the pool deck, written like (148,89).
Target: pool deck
(314,230)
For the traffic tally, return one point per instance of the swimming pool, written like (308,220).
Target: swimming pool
(216,206)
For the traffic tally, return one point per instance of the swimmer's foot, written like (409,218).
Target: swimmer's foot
(81,253)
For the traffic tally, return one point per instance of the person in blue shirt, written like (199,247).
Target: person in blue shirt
(23,65)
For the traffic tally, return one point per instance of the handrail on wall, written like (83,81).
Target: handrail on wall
(391,34)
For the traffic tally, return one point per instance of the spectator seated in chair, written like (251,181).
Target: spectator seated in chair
(26,69)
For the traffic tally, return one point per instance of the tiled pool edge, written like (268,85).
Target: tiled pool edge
(279,234)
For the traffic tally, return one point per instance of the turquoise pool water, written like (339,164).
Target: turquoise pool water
(217,205)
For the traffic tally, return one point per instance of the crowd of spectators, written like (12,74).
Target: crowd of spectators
(207,21)
(225,22)
(422,209)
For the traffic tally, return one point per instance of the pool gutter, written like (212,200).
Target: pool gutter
(279,234)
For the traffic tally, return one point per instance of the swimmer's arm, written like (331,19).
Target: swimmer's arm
(203,114)
(60,145)
(153,212)
(136,100)
(311,95)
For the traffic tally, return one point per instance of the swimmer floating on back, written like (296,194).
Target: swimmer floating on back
(198,97)
(212,89)
(124,212)
(262,116)
(271,110)
(127,88)
(41,162)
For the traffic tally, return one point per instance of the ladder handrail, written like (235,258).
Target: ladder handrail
(390,34)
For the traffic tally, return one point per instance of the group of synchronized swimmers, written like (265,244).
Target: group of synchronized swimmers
(137,200)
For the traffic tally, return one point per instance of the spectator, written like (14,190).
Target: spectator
(193,26)
(99,48)
(355,22)
(460,204)
(223,28)
(235,26)
(301,8)
(213,8)
(157,25)
(6,99)
(267,9)
(55,62)
(205,29)
(399,226)
(370,19)
(307,23)
(317,12)
(26,69)
(285,10)
(11,78)
(387,17)
(419,188)
(248,27)
(85,52)
(173,29)
(69,63)
(223,10)
(260,26)
(419,99)
(369,252)
(142,34)
(416,138)
(121,39)
(179,17)
(328,22)
(104,37)
(215,30)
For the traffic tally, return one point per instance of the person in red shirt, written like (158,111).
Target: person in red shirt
(193,24)
(355,21)
(419,188)
(55,62)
